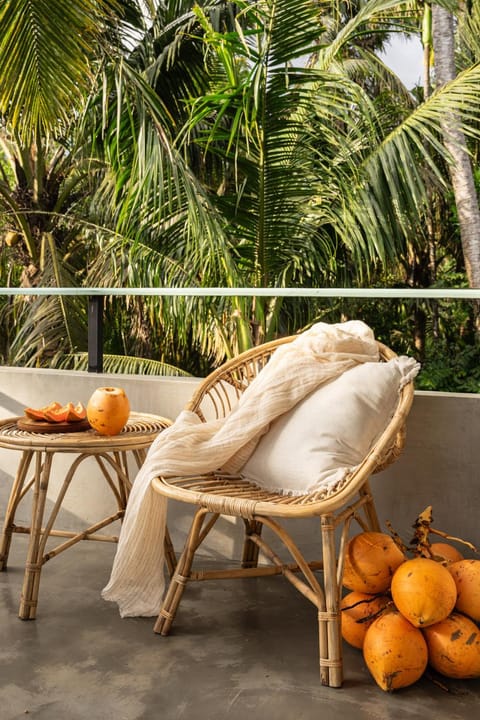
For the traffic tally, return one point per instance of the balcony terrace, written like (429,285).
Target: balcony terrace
(237,648)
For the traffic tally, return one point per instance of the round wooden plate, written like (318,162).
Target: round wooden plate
(43,426)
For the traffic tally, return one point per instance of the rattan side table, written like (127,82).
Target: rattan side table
(38,451)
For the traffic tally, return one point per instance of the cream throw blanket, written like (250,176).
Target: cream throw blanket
(189,447)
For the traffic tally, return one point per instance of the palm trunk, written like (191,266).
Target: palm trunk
(460,167)
(420,322)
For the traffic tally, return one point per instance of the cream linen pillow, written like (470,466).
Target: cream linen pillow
(326,435)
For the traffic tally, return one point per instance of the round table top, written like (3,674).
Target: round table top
(139,432)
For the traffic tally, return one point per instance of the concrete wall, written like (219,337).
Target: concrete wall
(438,467)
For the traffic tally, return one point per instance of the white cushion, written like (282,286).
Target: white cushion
(326,436)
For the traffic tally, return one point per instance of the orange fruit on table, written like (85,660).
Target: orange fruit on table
(108,410)
(41,413)
(66,413)
(75,413)
(57,413)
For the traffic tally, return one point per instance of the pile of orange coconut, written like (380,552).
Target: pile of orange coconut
(409,613)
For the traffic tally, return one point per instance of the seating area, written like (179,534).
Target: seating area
(335,505)
(247,642)
(256,225)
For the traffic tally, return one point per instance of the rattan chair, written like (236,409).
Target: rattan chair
(216,495)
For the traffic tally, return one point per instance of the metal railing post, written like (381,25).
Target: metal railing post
(95,333)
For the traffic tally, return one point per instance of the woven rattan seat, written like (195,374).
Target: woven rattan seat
(218,494)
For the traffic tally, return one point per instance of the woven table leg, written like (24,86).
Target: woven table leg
(33,566)
(14,499)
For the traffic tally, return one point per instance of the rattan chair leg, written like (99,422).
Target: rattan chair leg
(251,549)
(180,576)
(169,550)
(331,664)
(369,507)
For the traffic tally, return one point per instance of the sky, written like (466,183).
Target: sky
(405,57)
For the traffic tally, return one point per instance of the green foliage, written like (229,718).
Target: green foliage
(450,357)
(56,70)
(229,147)
(451,366)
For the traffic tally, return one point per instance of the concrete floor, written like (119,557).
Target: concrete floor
(238,649)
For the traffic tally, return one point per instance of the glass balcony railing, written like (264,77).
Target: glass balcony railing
(95,297)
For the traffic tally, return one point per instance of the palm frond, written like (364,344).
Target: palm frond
(122,364)
(150,194)
(395,175)
(50,45)
(44,334)
(469,33)
(48,327)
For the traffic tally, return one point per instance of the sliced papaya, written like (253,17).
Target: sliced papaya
(76,412)
(55,412)
(56,416)
(52,406)
(39,414)
(34,414)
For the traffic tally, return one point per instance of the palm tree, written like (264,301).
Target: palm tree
(459,163)
(57,149)
(45,171)
(50,169)
(254,168)
(313,169)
